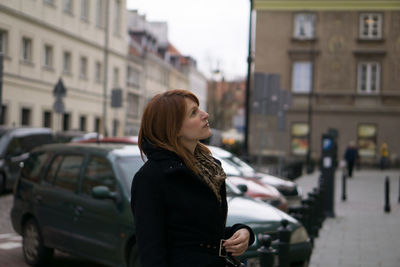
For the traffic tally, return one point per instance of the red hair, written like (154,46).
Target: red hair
(162,121)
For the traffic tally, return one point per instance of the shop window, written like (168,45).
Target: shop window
(366,140)
(299,136)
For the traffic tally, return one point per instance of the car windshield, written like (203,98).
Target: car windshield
(128,166)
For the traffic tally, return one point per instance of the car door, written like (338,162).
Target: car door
(98,224)
(56,200)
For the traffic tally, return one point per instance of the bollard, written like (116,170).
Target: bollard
(267,257)
(344,187)
(283,245)
(399,189)
(387,192)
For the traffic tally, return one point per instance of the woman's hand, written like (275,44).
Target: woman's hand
(238,242)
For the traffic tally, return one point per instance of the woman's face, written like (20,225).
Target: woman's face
(195,125)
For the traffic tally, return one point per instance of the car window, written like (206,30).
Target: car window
(67,175)
(51,173)
(98,172)
(15,147)
(34,166)
(31,141)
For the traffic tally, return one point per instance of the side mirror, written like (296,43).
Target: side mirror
(102,192)
(243,188)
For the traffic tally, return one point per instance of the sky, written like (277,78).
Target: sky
(214,32)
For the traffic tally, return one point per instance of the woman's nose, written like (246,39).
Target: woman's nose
(204,115)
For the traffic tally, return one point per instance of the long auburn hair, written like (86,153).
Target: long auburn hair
(162,121)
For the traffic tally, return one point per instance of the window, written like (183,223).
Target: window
(98,172)
(369,77)
(47,119)
(117,17)
(371,26)
(3,117)
(84,9)
(26,49)
(48,56)
(302,77)
(133,105)
(100,13)
(67,175)
(67,62)
(115,127)
(299,134)
(97,74)
(66,121)
(3,41)
(68,6)
(116,77)
(82,123)
(34,166)
(51,173)
(366,140)
(97,124)
(25,116)
(83,67)
(304,26)
(50,2)
(133,77)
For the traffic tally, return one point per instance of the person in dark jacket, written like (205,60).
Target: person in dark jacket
(351,156)
(178,197)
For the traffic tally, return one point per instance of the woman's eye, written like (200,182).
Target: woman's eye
(194,112)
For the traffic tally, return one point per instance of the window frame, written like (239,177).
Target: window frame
(362,25)
(296,25)
(48,61)
(26,49)
(84,14)
(67,62)
(368,83)
(310,78)
(68,6)
(83,67)
(4,42)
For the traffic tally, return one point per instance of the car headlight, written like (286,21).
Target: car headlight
(298,236)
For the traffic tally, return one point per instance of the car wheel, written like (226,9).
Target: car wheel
(35,253)
(134,260)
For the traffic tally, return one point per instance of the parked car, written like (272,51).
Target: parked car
(15,144)
(76,198)
(75,136)
(234,166)
(253,188)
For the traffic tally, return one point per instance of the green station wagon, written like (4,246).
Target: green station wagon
(76,198)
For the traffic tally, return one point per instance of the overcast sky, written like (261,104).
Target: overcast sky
(212,31)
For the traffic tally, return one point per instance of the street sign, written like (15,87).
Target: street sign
(58,106)
(116,98)
(59,90)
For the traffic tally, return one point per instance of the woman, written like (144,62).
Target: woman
(178,196)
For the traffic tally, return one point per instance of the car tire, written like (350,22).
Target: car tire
(134,260)
(35,253)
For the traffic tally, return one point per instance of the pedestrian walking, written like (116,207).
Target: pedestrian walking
(351,156)
(178,197)
(384,156)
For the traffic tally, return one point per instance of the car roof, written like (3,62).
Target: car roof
(23,131)
(106,148)
(121,140)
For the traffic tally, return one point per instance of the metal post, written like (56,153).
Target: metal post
(283,245)
(1,87)
(247,104)
(344,186)
(399,189)
(387,192)
(106,33)
(267,257)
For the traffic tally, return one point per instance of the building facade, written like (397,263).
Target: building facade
(46,40)
(341,62)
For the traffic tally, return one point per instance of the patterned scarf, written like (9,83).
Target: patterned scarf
(210,171)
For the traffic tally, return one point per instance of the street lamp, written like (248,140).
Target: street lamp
(247,103)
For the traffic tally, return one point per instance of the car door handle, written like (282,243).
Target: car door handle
(78,210)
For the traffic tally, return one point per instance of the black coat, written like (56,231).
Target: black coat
(177,215)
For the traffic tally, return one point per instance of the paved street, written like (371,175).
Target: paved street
(361,234)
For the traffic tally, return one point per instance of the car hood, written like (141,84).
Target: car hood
(250,211)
